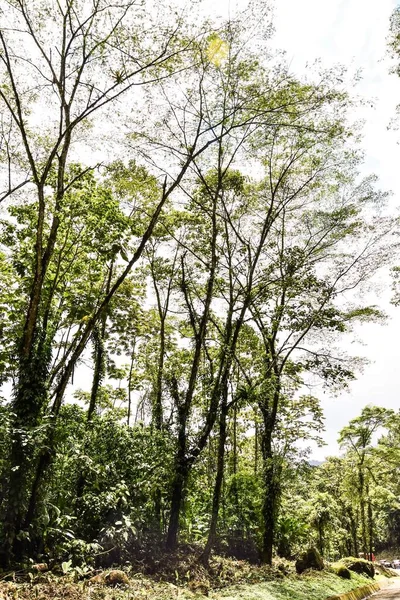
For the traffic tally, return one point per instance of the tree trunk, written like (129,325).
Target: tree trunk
(181,472)
(370,529)
(271,487)
(157,417)
(353,529)
(363,528)
(235,494)
(321,537)
(157,405)
(218,483)
(28,408)
(269,409)
(43,464)
(362,510)
(97,377)
(128,420)
(178,490)
(269,510)
(256,449)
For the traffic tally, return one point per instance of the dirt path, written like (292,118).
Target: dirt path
(392,592)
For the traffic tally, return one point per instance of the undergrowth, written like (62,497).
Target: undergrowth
(226,580)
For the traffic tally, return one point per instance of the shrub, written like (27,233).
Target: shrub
(341,571)
(359,565)
(311,559)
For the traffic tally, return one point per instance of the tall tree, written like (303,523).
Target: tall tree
(358,436)
(80,60)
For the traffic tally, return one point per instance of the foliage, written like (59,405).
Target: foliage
(359,565)
(313,587)
(167,308)
(311,559)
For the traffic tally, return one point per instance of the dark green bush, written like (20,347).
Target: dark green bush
(359,565)
(311,559)
(343,572)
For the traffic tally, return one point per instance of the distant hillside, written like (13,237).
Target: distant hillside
(315,463)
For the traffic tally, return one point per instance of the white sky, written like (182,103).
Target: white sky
(352,33)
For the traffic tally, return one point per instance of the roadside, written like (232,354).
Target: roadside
(392,592)
(182,576)
(311,585)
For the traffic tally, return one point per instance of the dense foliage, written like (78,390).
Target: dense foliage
(167,307)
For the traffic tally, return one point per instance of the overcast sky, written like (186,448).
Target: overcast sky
(353,33)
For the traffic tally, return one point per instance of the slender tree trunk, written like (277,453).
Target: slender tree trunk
(353,529)
(99,334)
(157,405)
(157,418)
(128,420)
(177,496)
(256,449)
(321,537)
(43,464)
(97,377)
(176,504)
(218,482)
(370,529)
(235,459)
(180,474)
(362,510)
(269,508)
(347,549)
(235,494)
(271,472)
(271,475)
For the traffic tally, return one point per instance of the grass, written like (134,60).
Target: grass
(183,577)
(62,588)
(309,586)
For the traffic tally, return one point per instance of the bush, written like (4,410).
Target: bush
(341,571)
(359,565)
(311,559)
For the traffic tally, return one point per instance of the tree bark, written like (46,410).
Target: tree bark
(177,496)
(361,481)
(271,475)
(353,529)
(370,529)
(218,483)
(270,506)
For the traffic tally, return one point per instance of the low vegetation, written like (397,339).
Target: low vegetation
(185,579)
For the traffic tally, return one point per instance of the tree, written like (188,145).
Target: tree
(358,437)
(291,304)
(205,278)
(82,61)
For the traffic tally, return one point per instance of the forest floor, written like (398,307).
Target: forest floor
(227,580)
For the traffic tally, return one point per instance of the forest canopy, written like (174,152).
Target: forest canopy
(186,235)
